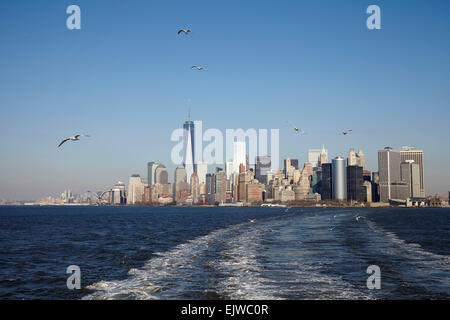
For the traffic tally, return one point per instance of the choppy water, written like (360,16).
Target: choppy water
(224,253)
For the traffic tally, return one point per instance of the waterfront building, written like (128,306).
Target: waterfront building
(410,173)
(367,191)
(135,189)
(316,181)
(254,192)
(210,188)
(388,171)
(202,170)
(375,187)
(195,188)
(287,168)
(263,167)
(244,179)
(355,183)
(180,185)
(410,153)
(287,195)
(399,191)
(151,171)
(161,176)
(327,190)
(147,195)
(118,194)
(304,183)
(339,179)
(189,146)
(221,185)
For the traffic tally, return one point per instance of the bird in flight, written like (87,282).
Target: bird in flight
(186,31)
(346,132)
(298,130)
(198,68)
(74,138)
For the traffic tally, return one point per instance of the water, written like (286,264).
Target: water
(223,253)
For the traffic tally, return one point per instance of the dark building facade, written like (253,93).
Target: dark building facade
(210,188)
(327,192)
(294,163)
(355,181)
(262,168)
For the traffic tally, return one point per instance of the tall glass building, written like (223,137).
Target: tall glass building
(327,188)
(339,179)
(189,148)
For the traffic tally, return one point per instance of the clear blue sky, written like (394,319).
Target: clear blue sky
(125,79)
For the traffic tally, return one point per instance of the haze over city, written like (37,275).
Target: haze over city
(125,79)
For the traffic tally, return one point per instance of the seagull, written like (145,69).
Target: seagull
(295,128)
(74,138)
(198,68)
(358,217)
(346,132)
(252,220)
(186,31)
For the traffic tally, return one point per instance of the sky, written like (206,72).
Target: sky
(125,79)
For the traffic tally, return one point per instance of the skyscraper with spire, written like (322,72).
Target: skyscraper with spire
(189,146)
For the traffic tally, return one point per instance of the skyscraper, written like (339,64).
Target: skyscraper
(314,157)
(189,146)
(409,153)
(221,185)
(388,171)
(339,179)
(327,189)
(161,175)
(263,167)
(323,155)
(229,169)
(151,170)
(410,173)
(195,188)
(118,195)
(288,169)
(135,189)
(202,170)
(361,158)
(180,186)
(355,183)
(351,159)
(210,188)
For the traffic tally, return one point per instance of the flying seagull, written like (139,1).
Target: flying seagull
(186,31)
(198,68)
(298,130)
(74,138)
(346,132)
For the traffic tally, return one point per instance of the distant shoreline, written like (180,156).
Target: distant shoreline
(287,206)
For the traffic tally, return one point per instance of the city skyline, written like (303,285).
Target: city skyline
(121,79)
